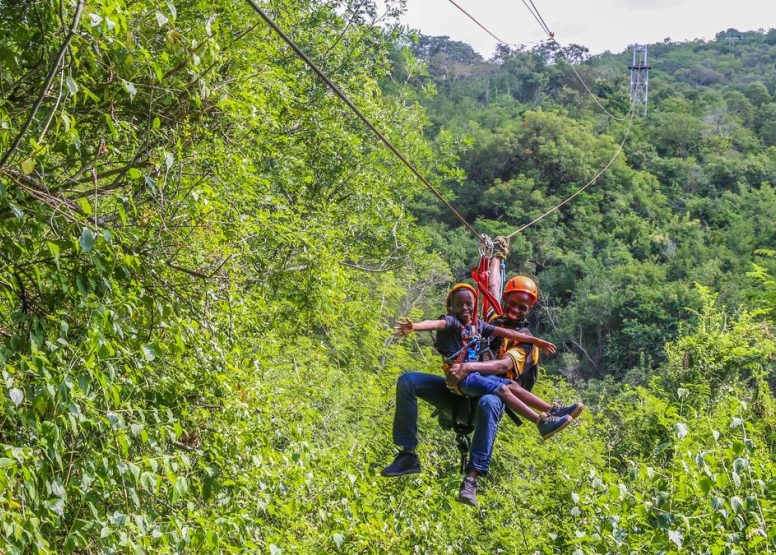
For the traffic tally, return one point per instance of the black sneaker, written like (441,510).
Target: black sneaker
(404,463)
(549,425)
(468,492)
(572,410)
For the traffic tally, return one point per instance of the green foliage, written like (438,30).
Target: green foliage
(187,209)
(721,349)
(711,492)
(203,253)
(766,298)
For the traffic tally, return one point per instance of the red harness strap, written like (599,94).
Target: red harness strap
(481,277)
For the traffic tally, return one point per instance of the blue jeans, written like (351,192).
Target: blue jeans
(433,389)
(477,385)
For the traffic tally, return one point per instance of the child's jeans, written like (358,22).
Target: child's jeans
(478,385)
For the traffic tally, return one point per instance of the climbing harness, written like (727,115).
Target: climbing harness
(471,347)
(465,408)
(481,276)
(464,444)
(473,350)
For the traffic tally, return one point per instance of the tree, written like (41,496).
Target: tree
(766,123)
(757,93)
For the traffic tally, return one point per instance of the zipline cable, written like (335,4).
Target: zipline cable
(467,14)
(579,191)
(594,97)
(406,162)
(551,38)
(538,17)
(356,111)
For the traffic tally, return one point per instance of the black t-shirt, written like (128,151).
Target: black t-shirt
(450,340)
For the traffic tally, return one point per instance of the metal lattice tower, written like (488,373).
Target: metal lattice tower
(639,83)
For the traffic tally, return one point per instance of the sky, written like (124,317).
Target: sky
(599,25)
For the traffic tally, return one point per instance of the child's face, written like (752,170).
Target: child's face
(517,305)
(463,305)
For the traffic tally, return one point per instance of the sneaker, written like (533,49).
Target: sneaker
(549,425)
(468,492)
(404,463)
(572,410)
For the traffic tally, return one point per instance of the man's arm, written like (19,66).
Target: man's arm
(501,251)
(494,275)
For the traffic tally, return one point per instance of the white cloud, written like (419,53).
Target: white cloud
(596,24)
(650,5)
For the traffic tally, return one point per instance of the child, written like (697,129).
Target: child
(456,341)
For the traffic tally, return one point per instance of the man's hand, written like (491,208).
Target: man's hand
(403,327)
(501,246)
(455,374)
(545,346)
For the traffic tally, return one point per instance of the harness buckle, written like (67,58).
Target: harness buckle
(486,247)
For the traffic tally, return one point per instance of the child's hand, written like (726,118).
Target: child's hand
(403,327)
(545,346)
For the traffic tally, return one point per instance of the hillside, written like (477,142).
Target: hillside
(689,200)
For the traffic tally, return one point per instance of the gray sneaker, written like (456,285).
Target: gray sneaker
(549,425)
(468,492)
(573,410)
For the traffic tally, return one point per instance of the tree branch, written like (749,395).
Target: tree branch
(49,78)
(39,191)
(187,271)
(18,83)
(583,351)
(380,269)
(181,445)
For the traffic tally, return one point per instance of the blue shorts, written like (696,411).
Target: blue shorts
(477,385)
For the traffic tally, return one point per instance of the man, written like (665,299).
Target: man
(515,361)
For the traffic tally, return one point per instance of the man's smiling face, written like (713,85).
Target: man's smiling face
(517,305)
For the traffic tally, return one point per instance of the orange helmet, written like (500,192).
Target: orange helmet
(454,290)
(522,284)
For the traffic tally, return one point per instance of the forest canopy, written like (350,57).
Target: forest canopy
(204,251)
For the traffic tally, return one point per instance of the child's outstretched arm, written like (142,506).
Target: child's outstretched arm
(407,326)
(544,345)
